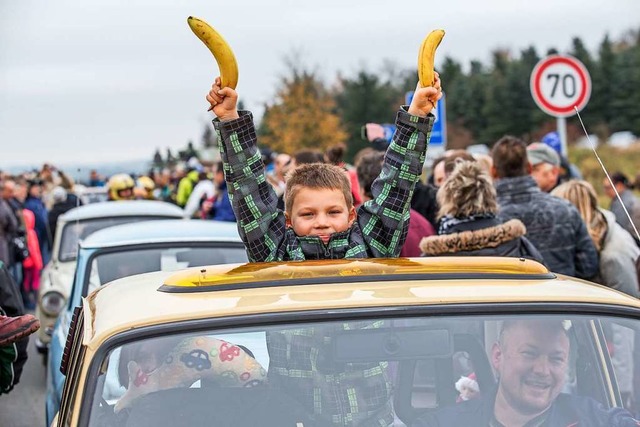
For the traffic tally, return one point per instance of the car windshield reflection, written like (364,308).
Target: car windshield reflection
(387,371)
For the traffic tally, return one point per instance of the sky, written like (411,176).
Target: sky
(106,81)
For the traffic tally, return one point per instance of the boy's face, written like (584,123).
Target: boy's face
(320,212)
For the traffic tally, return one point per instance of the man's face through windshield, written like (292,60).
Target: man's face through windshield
(531,362)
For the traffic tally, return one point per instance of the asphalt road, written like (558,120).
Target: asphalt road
(24,405)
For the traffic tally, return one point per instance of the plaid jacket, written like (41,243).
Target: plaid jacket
(351,394)
(382,223)
(339,394)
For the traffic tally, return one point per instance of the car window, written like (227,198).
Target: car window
(73,232)
(94,195)
(110,266)
(376,371)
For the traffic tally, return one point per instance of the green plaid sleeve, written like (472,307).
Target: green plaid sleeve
(384,220)
(260,223)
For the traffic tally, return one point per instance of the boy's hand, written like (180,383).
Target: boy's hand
(223,101)
(425,98)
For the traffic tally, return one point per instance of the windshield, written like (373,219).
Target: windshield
(114,265)
(75,231)
(404,371)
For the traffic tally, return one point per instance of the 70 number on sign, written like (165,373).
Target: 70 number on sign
(568,84)
(559,83)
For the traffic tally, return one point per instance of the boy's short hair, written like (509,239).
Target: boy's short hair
(317,176)
(510,157)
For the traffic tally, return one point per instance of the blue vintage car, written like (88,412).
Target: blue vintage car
(129,249)
(72,227)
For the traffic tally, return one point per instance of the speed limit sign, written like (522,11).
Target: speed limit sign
(559,84)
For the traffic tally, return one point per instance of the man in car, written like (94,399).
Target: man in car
(531,361)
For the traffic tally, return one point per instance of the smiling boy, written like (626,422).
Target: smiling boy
(320,220)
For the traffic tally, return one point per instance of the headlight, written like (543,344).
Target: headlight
(52,303)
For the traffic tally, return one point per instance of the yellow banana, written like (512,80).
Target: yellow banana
(219,48)
(426,57)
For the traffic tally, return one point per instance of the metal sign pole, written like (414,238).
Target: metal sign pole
(562,132)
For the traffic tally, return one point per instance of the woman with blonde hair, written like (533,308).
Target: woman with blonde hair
(616,248)
(618,255)
(468,221)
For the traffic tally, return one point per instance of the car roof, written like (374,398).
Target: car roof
(123,208)
(219,291)
(162,231)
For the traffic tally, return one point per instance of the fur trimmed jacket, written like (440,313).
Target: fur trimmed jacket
(483,237)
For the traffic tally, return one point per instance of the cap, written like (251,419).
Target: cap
(539,152)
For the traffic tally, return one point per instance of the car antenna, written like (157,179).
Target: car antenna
(201,276)
(78,220)
(593,147)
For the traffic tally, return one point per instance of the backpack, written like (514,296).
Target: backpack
(18,248)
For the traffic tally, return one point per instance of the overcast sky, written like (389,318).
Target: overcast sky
(103,80)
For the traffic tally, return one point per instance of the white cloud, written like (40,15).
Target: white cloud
(131,74)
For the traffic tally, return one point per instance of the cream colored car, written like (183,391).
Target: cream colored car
(339,342)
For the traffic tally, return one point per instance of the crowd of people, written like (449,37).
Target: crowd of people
(518,201)
(492,205)
(508,203)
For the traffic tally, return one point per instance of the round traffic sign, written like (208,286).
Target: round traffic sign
(559,83)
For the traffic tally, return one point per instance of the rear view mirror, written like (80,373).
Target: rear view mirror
(371,345)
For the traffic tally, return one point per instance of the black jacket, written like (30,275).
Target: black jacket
(14,356)
(566,411)
(57,210)
(554,226)
(424,202)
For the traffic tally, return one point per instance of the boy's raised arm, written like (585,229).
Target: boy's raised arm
(260,223)
(384,220)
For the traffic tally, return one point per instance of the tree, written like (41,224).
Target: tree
(157,159)
(365,99)
(171,160)
(537,117)
(476,97)
(303,114)
(626,92)
(591,115)
(209,137)
(497,108)
(454,87)
(520,103)
(599,105)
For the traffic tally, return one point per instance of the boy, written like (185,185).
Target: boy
(320,220)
